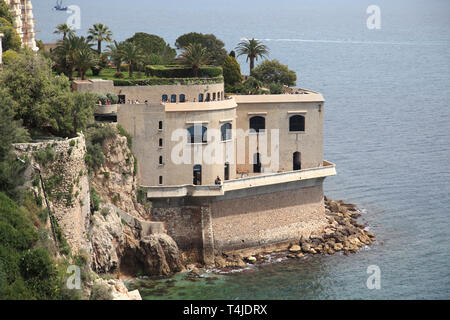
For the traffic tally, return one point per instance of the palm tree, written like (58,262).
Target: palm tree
(115,54)
(85,58)
(65,30)
(66,51)
(132,54)
(195,55)
(99,32)
(253,49)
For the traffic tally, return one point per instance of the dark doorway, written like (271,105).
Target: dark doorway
(227,171)
(257,163)
(197,175)
(121,98)
(297,162)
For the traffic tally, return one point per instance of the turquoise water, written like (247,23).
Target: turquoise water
(387,127)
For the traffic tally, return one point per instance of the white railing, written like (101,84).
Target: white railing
(328,169)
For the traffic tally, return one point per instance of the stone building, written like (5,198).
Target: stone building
(266,149)
(22,11)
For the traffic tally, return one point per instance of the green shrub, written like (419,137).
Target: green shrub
(113,98)
(101,292)
(168,81)
(103,99)
(105,212)
(72,143)
(43,156)
(180,71)
(276,88)
(119,75)
(95,200)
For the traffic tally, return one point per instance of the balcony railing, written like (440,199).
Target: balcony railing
(153,192)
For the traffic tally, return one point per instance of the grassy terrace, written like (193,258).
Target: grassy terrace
(161,75)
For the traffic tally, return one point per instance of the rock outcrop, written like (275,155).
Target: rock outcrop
(118,289)
(154,254)
(122,237)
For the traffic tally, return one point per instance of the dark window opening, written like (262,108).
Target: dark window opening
(297,162)
(197,175)
(297,123)
(200,97)
(197,134)
(182,98)
(160,125)
(160,160)
(257,123)
(160,142)
(160,180)
(165,98)
(173,98)
(227,171)
(226,131)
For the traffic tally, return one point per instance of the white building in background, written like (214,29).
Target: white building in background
(22,11)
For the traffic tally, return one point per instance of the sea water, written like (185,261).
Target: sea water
(387,127)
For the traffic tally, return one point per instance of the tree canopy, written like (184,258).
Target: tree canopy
(42,101)
(215,47)
(274,72)
(11,40)
(231,71)
(152,45)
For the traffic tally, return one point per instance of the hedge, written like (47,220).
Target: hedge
(179,71)
(167,81)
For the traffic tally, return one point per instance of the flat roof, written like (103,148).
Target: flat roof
(302,96)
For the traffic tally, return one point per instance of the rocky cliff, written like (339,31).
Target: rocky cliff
(98,213)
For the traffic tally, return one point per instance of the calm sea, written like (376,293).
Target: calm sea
(387,127)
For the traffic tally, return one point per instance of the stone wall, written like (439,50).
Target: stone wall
(69,197)
(255,217)
(269,218)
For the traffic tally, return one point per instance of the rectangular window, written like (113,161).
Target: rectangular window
(160,180)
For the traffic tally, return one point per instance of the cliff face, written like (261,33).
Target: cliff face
(123,238)
(117,236)
(66,182)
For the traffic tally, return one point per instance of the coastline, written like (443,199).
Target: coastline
(343,234)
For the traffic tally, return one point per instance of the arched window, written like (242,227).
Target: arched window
(182,98)
(214,96)
(208,97)
(297,123)
(200,97)
(226,131)
(257,123)
(165,98)
(218,96)
(173,98)
(197,134)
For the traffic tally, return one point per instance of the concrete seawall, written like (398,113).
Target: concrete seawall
(242,219)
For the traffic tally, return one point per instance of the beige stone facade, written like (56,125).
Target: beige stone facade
(22,11)
(274,200)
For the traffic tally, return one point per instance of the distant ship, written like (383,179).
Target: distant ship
(59,6)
